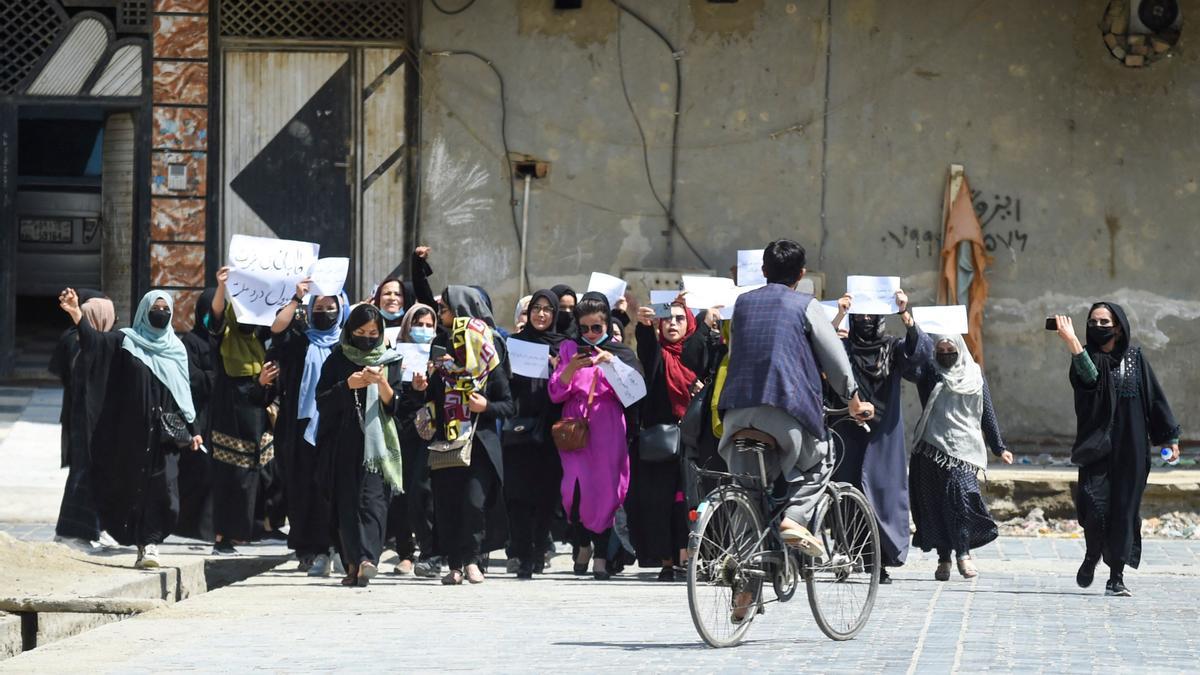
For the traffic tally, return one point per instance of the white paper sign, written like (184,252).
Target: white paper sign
(416,357)
(625,381)
(709,292)
(264,275)
(392,335)
(947,320)
(749,268)
(529,359)
(328,276)
(831,311)
(660,297)
(612,287)
(727,311)
(873,295)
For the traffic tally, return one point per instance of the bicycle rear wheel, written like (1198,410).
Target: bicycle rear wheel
(726,567)
(842,585)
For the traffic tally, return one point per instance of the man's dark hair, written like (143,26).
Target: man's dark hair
(783,262)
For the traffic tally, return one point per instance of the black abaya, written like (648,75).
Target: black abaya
(195,468)
(360,497)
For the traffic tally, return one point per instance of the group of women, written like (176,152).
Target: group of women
(228,431)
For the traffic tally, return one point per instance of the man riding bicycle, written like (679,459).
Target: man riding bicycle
(782,343)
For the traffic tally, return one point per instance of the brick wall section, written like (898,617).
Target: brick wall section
(179,137)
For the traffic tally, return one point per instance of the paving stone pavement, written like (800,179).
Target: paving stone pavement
(1023,614)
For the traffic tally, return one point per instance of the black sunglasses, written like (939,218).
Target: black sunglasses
(594,328)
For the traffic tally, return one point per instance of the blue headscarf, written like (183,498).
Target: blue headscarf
(319,344)
(162,352)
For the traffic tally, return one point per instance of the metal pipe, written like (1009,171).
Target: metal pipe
(524,233)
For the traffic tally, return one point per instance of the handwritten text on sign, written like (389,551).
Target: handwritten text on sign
(264,275)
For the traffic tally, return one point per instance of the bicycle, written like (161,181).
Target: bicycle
(732,553)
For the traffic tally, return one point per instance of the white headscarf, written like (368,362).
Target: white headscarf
(952,421)
(522,307)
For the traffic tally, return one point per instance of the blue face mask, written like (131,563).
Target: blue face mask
(597,342)
(389,316)
(421,334)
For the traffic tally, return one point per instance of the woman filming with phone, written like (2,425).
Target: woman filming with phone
(1120,409)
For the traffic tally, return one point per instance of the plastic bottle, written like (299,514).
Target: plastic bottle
(1166,457)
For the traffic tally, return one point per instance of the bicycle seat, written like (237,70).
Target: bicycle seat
(749,439)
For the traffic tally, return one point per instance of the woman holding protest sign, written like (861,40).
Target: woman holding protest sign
(300,352)
(674,356)
(241,434)
(532,469)
(595,462)
(876,460)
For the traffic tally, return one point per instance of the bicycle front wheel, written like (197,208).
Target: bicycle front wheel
(842,585)
(725,572)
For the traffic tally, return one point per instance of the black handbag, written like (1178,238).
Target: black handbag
(174,429)
(522,431)
(659,443)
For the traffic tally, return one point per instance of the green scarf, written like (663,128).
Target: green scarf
(241,354)
(381,447)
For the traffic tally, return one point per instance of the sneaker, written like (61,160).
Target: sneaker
(304,562)
(140,557)
(77,544)
(321,566)
(427,569)
(800,538)
(338,567)
(884,577)
(1087,573)
(148,557)
(224,548)
(1116,588)
(107,542)
(943,571)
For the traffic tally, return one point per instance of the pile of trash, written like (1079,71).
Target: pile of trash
(1175,525)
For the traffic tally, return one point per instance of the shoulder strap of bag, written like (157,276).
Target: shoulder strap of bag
(587,409)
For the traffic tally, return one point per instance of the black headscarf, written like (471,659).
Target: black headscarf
(549,337)
(1096,407)
(565,321)
(870,350)
(469,302)
(618,349)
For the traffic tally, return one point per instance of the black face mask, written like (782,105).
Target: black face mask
(1098,336)
(868,329)
(947,359)
(324,320)
(565,317)
(159,318)
(363,343)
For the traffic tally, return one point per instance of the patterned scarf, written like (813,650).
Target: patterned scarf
(381,442)
(475,357)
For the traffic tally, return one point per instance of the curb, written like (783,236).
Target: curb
(1014,493)
(21,633)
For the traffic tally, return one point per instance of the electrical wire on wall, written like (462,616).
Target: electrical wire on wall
(451,12)
(512,195)
(676,56)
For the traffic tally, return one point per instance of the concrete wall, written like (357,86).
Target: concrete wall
(1102,159)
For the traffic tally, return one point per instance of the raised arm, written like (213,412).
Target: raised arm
(421,271)
(284,317)
(217,311)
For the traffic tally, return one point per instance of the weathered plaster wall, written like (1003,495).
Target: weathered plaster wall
(1102,160)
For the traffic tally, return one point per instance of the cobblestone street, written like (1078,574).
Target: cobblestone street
(1024,614)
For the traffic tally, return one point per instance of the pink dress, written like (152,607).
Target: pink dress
(602,468)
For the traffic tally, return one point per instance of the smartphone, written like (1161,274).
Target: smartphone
(662,310)
(437,353)
(1051,323)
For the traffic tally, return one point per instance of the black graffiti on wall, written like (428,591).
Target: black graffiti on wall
(999,217)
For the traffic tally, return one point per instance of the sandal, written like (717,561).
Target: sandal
(351,578)
(453,578)
(474,575)
(366,572)
(581,568)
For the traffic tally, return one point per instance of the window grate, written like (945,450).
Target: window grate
(313,19)
(27,30)
(133,16)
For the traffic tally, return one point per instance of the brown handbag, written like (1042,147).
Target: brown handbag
(571,433)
